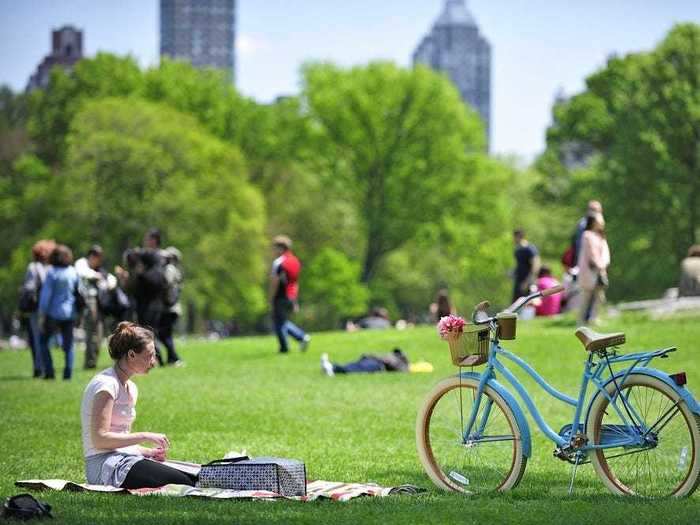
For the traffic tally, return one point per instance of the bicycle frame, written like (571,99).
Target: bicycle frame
(593,373)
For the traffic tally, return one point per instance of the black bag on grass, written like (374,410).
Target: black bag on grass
(25,507)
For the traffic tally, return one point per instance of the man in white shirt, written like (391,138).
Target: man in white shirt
(89,270)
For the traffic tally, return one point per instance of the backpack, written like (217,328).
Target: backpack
(80,295)
(173,284)
(24,507)
(29,295)
(28,298)
(567,258)
(113,302)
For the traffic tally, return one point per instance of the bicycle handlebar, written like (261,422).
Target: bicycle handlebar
(517,305)
(553,290)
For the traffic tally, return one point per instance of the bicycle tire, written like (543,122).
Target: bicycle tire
(668,467)
(477,466)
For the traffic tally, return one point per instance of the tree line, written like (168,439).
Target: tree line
(379,173)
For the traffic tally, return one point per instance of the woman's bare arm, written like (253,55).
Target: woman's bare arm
(104,439)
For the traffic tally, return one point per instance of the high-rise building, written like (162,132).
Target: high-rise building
(455,47)
(202,32)
(66,50)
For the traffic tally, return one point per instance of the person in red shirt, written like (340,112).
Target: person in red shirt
(284,292)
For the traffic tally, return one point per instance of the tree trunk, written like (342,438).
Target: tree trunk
(693,215)
(372,257)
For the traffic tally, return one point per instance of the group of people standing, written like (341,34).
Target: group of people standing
(57,295)
(585,262)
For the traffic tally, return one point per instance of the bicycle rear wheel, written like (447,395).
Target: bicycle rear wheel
(489,459)
(667,464)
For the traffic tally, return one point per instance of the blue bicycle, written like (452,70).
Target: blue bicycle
(639,428)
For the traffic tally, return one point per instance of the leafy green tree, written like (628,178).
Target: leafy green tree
(52,109)
(331,283)
(13,109)
(28,193)
(469,251)
(269,135)
(300,206)
(375,164)
(132,164)
(394,140)
(636,130)
(274,139)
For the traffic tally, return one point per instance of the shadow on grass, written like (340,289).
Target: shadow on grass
(537,487)
(16,378)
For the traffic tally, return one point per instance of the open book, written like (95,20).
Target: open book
(184,466)
(194,468)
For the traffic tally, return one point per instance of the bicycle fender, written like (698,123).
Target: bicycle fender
(514,406)
(685,394)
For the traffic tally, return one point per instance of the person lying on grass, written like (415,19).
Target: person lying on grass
(113,455)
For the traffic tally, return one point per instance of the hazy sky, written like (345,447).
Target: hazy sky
(538,46)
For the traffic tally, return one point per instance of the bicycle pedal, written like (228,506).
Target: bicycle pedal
(561,454)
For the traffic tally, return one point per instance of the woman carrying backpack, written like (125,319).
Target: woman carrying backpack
(57,305)
(29,298)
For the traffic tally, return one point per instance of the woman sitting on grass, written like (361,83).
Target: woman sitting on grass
(113,455)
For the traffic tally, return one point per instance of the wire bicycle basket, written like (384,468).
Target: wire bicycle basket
(470,347)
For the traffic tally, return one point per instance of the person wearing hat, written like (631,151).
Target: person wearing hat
(284,292)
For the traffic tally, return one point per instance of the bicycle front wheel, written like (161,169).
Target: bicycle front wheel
(489,458)
(666,461)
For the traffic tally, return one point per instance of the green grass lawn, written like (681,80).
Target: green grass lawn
(239,393)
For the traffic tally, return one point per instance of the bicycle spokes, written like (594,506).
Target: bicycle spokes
(487,457)
(655,456)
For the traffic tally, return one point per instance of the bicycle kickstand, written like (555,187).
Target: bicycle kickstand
(573,473)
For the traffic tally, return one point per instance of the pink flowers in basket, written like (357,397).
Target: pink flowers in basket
(450,326)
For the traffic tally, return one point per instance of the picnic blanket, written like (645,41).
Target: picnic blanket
(332,490)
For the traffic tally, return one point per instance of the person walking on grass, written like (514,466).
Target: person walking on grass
(57,309)
(592,208)
(527,264)
(593,262)
(283,293)
(113,454)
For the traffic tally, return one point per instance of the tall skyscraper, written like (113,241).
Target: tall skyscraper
(66,50)
(202,32)
(455,47)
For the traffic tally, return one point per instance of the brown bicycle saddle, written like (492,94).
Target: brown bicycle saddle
(593,341)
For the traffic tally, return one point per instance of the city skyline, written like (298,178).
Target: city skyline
(203,32)
(539,47)
(455,46)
